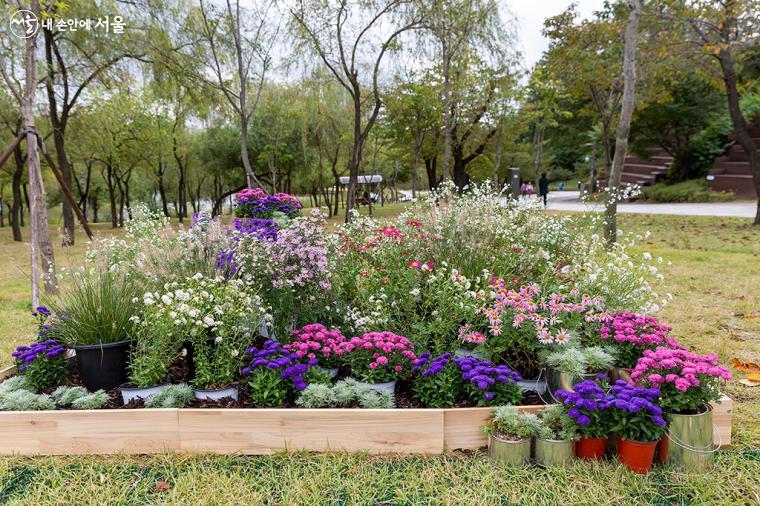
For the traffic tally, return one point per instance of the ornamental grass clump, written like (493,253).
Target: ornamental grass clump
(635,413)
(633,333)
(97,307)
(586,406)
(687,381)
(378,357)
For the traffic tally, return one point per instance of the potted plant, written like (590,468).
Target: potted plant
(315,341)
(585,405)
(638,422)
(571,365)
(378,359)
(95,320)
(273,372)
(688,382)
(555,441)
(438,383)
(217,364)
(43,364)
(509,434)
(631,334)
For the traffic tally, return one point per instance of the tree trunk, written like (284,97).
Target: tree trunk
(430,169)
(624,124)
(415,163)
(41,246)
(111,186)
(58,124)
(497,159)
(740,125)
(16,207)
(356,154)
(446,111)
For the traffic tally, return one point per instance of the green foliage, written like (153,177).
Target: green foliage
(344,394)
(267,389)
(694,190)
(580,361)
(45,372)
(95,400)
(173,396)
(23,400)
(79,397)
(509,423)
(14,384)
(559,425)
(441,390)
(66,395)
(98,306)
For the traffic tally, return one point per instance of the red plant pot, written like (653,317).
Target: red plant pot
(661,455)
(591,448)
(636,455)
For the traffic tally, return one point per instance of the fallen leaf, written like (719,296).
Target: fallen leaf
(162,485)
(749,383)
(748,367)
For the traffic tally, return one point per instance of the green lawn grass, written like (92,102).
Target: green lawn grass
(712,268)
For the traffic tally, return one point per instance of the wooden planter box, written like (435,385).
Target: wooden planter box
(257,431)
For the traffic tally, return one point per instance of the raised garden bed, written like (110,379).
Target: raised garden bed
(257,431)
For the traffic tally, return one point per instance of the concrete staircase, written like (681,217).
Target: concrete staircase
(645,170)
(732,172)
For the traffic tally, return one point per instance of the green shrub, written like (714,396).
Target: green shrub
(24,400)
(65,396)
(559,425)
(15,383)
(344,394)
(694,190)
(509,423)
(173,396)
(95,400)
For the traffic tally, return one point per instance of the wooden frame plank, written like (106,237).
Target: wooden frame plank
(7,372)
(722,414)
(87,432)
(264,431)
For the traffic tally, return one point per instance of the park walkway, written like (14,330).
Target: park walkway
(570,201)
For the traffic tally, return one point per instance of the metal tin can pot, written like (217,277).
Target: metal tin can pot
(691,444)
(504,451)
(551,452)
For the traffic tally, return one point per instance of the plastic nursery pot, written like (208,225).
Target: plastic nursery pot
(636,455)
(661,452)
(216,394)
(131,393)
(691,444)
(551,452)
(103,365)
(388,386)
(505,451)
(591,448)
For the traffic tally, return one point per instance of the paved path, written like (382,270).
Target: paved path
(569,201)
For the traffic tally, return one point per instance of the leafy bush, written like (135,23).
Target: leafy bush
(79,397)
(560,426)
(581,361)
(267,389)
(173,396)
(344,394)
(24,400)
(95,400)
(694,190)
(44,363)
(66,395)
(509,423)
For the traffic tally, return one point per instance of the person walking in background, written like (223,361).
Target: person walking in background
(543,187)
(523,190)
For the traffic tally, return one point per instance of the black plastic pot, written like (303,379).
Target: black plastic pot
(103,365)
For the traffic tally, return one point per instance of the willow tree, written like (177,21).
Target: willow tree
(352,38)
